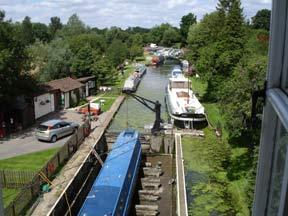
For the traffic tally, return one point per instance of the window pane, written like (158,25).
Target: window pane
(278,170)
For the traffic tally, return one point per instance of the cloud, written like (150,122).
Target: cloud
(122,13)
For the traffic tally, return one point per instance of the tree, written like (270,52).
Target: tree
(262,19)
(116,33)
(14,65)
(202,34)
(232,38)
(170,37)
(27,31)
(157,32)
(54,25)
(186,22)
(73,27)
(104,72)
(2,15)
(50,61)
(83,62)
(136,50)
(96,42)
(117,52)
(41,32)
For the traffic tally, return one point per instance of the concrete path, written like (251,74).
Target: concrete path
(182,208)
(25,142)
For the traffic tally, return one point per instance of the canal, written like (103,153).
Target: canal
(133,114)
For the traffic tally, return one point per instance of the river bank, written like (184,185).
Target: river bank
(213,166)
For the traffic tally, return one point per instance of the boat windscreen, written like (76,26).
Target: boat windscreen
(180,84)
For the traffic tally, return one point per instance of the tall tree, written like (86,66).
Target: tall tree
(170,37)
(232,38)
(186,22)
(104,72)
(40,32)
(73,27)
(27,31)
(50,61)
(116,33)
(83,62)
(54,25)
(2,15)
(223,7)
(262,19)
(157,32)
(202,34)
(117,52)
(14,65)
(96,42)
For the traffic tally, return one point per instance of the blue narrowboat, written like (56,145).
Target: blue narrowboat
(112,191)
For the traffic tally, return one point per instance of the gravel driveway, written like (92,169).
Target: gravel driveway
(25,142)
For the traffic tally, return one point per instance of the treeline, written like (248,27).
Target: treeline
(230,54)
(31,53)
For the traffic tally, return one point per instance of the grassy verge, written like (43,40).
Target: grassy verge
(197,157)
(28,162)
(107,104)
(32,161)
(204,159)
(128,70)
(9,195)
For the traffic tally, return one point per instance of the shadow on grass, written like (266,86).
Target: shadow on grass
(239,166)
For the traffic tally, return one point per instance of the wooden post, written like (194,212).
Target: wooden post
(58,158)
(4,179)
(1,201)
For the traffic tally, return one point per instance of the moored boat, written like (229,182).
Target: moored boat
(141,69)
(176,71)
(157,60)
(131,83)
(112,191)
(182,103)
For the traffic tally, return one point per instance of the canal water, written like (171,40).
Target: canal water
(135,115)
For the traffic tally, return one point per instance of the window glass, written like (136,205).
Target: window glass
(64,124)
(56,126)
(42,127)
(278,170)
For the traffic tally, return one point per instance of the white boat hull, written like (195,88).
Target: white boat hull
(183,105)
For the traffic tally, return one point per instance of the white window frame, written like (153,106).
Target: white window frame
(275,112)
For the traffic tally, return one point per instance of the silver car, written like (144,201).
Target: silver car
(54,129)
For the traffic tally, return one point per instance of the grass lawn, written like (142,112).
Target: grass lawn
(193,152)
(107,104)
(9,195)
(198,86)
(32,161)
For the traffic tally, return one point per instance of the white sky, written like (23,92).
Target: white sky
(122,13)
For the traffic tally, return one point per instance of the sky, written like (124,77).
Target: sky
(121,13)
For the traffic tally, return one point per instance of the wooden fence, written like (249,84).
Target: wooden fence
(16,178)
(32,189)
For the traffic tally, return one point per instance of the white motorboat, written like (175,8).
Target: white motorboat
(182,103)
(176,71)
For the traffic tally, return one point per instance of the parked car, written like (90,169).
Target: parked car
(54,129)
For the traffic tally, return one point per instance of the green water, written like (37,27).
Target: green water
(133,114)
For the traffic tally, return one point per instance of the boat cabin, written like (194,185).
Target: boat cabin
(179,83)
